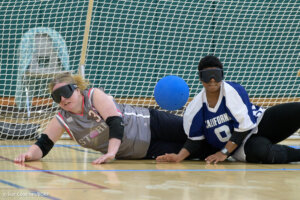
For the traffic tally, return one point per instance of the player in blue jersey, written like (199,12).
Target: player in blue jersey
(221,122)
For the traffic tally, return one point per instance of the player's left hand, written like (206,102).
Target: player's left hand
(215,158)
(104,159)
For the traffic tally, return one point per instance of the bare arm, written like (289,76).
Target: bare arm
(106,108)
(54,131)
(190,148)
(113,147)
(235,140)
(219,156)
(104,104)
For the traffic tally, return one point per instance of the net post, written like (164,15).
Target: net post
(85,37)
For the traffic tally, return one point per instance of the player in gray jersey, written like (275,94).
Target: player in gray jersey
(94,120)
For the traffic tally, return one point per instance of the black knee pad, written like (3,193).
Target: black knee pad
(277,155)
(257,149)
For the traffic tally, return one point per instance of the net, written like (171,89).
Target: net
(127,46)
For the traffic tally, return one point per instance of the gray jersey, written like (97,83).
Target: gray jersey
(91,131)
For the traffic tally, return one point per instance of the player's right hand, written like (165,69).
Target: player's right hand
(23,157)
(172,157)
(105,159)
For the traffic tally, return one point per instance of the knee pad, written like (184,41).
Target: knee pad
(256,149)
(261,150)
(277,154)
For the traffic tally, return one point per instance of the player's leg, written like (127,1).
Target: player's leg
(280,121)
(166,127)
(259,149)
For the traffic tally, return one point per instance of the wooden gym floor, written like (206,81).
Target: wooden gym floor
(67,173)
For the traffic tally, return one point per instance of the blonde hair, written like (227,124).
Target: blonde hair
(68,78)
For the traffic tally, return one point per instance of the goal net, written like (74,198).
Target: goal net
(127,46)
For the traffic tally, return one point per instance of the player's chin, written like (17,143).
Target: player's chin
(212,88)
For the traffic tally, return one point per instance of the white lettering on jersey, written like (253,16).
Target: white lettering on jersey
(257,112)
(93,133)
(70,119)
(217,120)
(102,127)
(94,115)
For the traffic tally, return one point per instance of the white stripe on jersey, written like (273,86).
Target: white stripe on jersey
(66,126)
(137,115)
(238,108)
(90,94)
(197,138)
(190,112)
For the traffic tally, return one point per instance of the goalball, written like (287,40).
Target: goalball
(171,92)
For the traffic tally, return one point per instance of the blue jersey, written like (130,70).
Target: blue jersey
(233,112)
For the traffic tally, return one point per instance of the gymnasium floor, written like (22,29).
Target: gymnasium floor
(67,173)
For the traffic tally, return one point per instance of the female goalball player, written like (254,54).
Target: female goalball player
(221,121)
(96,121)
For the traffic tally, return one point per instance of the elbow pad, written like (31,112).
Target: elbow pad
(116,127)
(238,137)
(45,144)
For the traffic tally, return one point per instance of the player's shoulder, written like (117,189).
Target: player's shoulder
(198,99)
(231,84)
(233,87)
(196,103)
(94,93)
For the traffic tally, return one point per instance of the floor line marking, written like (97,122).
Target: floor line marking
(156,170)
(55,174)
(33,191)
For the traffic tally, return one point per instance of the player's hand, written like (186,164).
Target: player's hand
(23,157)
(104,159)
(215,158)
(172,157)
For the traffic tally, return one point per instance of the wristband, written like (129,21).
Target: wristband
(225,151)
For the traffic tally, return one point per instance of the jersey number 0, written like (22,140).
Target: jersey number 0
(223,129)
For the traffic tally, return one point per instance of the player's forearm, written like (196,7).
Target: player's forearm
(183,154)
(231,146)
(36,152)
(113,146)
(235,140)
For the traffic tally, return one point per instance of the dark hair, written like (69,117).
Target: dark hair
(209,61)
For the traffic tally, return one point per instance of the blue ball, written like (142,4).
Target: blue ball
(171,93)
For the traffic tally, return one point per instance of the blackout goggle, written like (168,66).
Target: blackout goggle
(207,74)
(66,91)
